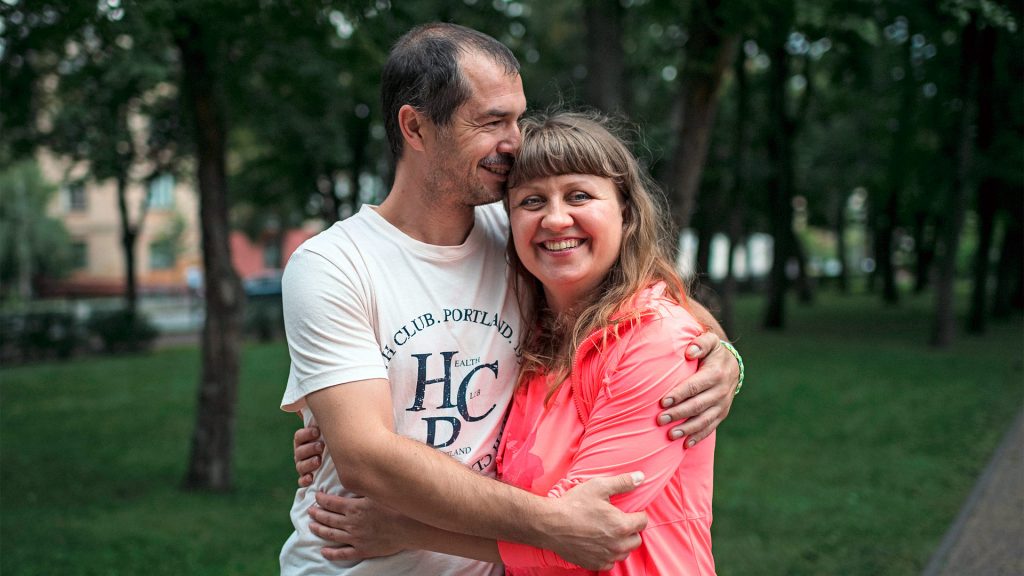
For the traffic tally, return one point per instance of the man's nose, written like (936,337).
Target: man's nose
(510,142)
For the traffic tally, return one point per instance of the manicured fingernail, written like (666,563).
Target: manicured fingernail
(638,477)
(665,403)
(676,434)
(693,350)
(664,419)
(691,443)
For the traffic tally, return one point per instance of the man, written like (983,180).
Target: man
(403,331)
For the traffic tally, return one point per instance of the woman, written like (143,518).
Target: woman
(608,325)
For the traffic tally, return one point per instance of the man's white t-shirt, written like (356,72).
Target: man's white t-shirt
(363,300)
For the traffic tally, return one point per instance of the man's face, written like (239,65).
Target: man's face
(472,156)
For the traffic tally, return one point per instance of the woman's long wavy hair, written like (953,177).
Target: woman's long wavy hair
(558,143)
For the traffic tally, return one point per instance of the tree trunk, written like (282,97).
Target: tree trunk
(924,248)
(23,248)
(988,188)
(606,68)
(1010,271)
(840,231)
(737,204)
(945,315)
(129,234)
(359,138)
(780,185)
(702,263)
(709,52)
(805,291)
(210,462)
(895,182)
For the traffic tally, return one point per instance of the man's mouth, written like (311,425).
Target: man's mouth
(561,245)
(500,165)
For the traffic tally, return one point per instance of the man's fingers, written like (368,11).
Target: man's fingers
(328,518)
(334,535)
(636,521)
(702,346)
(704,379)
(332,503)
(694,407)
(339,553)
(612,485)
(695,438)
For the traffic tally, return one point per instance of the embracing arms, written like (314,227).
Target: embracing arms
(426,485)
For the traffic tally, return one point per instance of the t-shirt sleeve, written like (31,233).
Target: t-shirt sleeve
(621,433)
(329,327)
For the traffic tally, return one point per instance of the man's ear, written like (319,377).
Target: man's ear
(413,125)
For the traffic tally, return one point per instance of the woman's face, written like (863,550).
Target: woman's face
(567,231)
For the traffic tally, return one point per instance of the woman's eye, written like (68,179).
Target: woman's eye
(578,196)
(530,202)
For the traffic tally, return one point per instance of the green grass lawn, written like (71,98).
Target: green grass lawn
(849,452)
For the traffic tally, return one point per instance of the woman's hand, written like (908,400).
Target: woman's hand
(308,450)
(360,527)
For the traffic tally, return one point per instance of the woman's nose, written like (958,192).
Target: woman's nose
(557,217)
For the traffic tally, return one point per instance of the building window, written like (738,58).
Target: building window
(161,191)
(161,256)
(76,197)
(79,255)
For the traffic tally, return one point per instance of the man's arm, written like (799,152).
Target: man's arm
(706,397)
(362,528)
(355,420)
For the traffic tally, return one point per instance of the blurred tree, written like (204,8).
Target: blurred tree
(966,88)
(31,243)
(108,85)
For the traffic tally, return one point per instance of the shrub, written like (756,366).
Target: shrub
(122,331)
(38,335)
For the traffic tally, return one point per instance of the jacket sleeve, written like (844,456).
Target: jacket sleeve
(621,432)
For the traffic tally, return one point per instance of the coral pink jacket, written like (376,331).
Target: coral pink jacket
(602,422)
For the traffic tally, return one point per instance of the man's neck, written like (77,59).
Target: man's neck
(427,219)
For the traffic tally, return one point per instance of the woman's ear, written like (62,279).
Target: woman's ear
(412,124)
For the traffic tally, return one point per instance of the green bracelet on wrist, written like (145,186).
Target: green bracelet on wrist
(739,360)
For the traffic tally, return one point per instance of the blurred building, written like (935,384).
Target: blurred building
(168,252)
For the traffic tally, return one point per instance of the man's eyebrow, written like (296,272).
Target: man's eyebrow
(498,113)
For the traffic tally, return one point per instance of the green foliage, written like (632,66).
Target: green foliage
(171,240)
(31,243)
(122,331)
(39,335)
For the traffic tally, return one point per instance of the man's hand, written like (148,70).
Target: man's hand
(361,527)
(308,450)
(597,534)
(706,397)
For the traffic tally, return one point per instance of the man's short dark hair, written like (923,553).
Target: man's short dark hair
(422,71)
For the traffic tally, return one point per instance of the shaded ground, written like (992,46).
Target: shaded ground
(987,536)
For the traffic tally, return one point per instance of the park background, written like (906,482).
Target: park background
(846,177)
